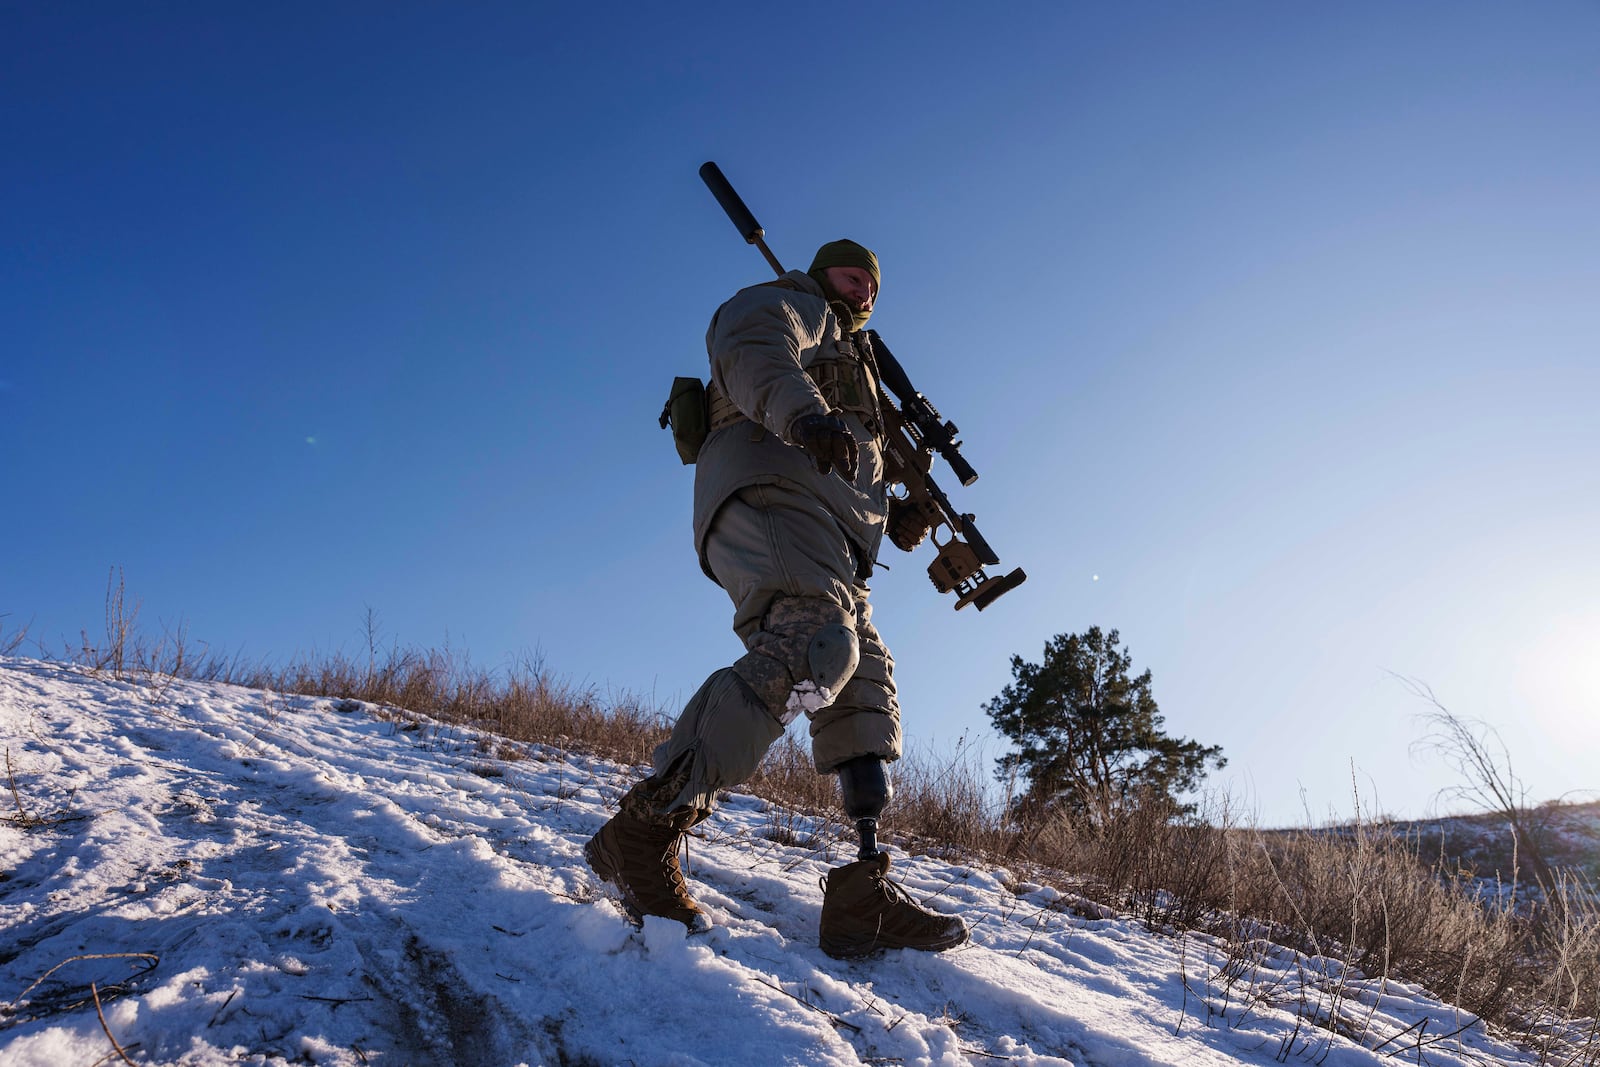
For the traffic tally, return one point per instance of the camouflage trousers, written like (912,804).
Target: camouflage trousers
(790,570)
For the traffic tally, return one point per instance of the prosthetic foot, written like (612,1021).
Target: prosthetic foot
(863,911)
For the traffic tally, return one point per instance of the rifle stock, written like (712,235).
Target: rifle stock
(915,431)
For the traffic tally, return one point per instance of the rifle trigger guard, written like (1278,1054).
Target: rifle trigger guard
(950,524)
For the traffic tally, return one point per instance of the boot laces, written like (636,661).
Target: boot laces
(672,869)
(897,893)
(909,906)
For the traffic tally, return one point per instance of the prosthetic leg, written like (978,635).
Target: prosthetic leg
(866,789)
(863,910)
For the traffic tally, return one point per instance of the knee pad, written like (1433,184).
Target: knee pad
(831,657)
(802,656)
(834,655)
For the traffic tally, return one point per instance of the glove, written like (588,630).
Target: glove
(908,524)
(828,441)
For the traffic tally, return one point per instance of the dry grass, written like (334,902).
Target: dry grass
(525,702)
(11,637)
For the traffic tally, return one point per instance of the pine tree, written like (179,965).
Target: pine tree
(1088,736)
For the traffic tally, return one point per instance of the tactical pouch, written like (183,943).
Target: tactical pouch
(846,384)
(688,412)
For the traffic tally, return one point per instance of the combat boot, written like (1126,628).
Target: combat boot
(864,912)
(640,857)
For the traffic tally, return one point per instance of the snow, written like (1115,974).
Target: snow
(250,877)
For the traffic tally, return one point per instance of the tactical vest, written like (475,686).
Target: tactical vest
(843,372)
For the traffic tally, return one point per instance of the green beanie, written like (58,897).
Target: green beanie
(846,253)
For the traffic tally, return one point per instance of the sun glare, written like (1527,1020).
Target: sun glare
(1560,674)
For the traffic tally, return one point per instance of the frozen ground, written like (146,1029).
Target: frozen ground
(247,877)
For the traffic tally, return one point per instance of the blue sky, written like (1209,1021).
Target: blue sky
(1270,328)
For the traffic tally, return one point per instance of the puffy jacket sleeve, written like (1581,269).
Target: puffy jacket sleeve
(758,342)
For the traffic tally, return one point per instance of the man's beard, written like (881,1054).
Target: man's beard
(851,317)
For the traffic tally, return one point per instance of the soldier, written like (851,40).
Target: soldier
(790,506)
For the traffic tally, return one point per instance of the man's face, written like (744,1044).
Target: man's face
(854,285)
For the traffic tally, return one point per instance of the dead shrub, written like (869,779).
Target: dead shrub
(943,803)
(10,642)
(788,776)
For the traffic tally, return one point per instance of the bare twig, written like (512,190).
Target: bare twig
(834,1019)
(219,1011)
(154,961)
(9,643)
(1478,754)
(23,817)
(1402,1033)
(99,1011)
(108,1057)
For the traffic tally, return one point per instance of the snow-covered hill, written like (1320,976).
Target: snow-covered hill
(1568,835)
(246,877)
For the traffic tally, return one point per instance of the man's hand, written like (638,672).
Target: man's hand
(828,441)
(908,524)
